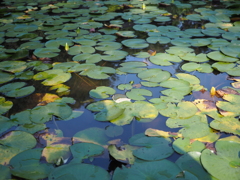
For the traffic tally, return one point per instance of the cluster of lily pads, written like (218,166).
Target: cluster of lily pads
(50,42)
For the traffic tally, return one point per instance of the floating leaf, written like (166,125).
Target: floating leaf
(13,66)
(124,154)
(132,67)
(183,146)
(6,77)
(46,52)
(182,110)
(154,75)
(218,56)
(24,165)
(52,77)
(5,105)
(205,68)
(81,151)
(227,159)
(163,169)
(153,148)
(11,145)
(16,89)
(113,131)
(164,59)
(137,94)
(114,55)
(76,170)
(135,43)
(91,135)
(190,162)
(108,46)
(102,92)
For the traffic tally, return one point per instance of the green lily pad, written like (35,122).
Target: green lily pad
(5,172)
(11,145)
(227,159)
(218,56)
(114,55)
(178,88)
(85,42)
(183,146)
(124,154)
(5,105)
(138,94)
(234,71)
(31,45)
(42,114)
(128,34)
(6,123)
(192,66)
(113,131)
(46,52)
(22,117)
(52,77)
(55,151)
(232,105)
(132,67)
(154,75)
(223,66)
(159,39)
(195,58)
(164,59)
(153,148)
(145,27)
(25,164)
(163,169)
(226,124)
(108,46)
(90,58)
(74,50)
(135,43)
(124,86)
(79,171)
(190,162)
(179,50)
(31,128)
(231,50)
(81,151)
(91,135)
(182,111)
(17,89)
(138,109)
(102,92)
(98,72)
(13,66)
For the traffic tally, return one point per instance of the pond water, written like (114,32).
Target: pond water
(177,62)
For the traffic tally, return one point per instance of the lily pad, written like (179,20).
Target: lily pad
(135,43)
(164,59)
(13,66)
(132,67)
(74,50)
(102,92)
(79,171)
(190,163)
(184,145)
(52,77)
(25,163)
(91,135)
(46,52)
(5,105)
(138,94)
(17,89)
(163,169)
(108,46)
(154,75)
(182,111)
(192,66)
(11,145)
(114,55)
(227,159)
(81,151)
(153,148)
(218,56)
